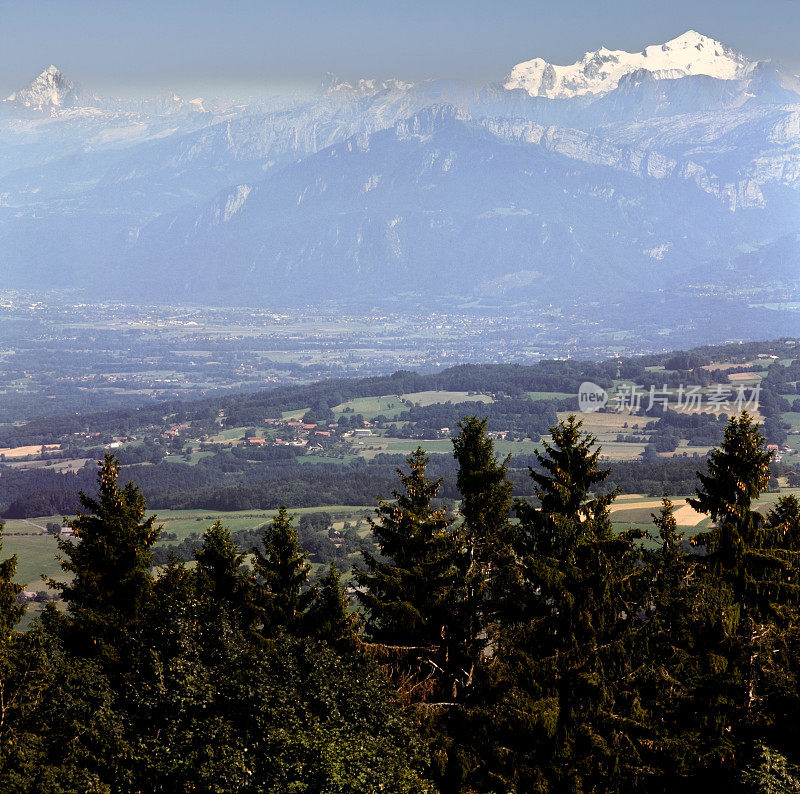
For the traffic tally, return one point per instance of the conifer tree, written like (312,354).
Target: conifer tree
(485,592)
(221,575)
(770,772)
(570,513)
(784,521)
(196,706)
(174,614)
(581,594)
(11,610)
(329,617)
(408,592)
(738,471)
(110,561)
(486,563)
(282,572)
(666,689)
(58,729)
(752,575)
(671,574)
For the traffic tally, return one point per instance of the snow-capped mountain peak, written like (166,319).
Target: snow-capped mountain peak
(332,84)
(49,90)
(600,72)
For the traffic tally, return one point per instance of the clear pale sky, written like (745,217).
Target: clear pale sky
(128,47)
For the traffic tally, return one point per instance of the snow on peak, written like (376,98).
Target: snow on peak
(600,72)
(332,84)
(172,103)
(49,90)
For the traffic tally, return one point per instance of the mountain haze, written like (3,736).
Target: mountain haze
(674,168)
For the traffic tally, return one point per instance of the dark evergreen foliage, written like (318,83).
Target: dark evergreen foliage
(547,654)
(109,564)
(329,617)
(408,593)
(282,573)
(186,697)
(559,664)
(486,563)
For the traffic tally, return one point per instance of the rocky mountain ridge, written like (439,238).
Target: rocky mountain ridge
(672,176)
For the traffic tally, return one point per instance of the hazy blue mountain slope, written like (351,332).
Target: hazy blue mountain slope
(674,168)
(439,203)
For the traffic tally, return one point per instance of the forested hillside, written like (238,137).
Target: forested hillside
(303,445)
(511,645)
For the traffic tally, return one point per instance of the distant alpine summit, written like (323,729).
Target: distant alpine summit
(49,90)
(624,177)
(600,72)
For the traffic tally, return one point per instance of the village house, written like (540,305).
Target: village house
(23,596)
(498,434)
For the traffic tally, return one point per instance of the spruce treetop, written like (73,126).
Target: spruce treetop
(738,471)
(569,512)
(10,609)
(109,559)
(283,570)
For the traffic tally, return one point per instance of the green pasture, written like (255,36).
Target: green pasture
(389,406)
(551,395)
(185,522)
(392,405)
(297,414)
(231,434)
(36,555)
(371,446)
(791,418)
(425,398)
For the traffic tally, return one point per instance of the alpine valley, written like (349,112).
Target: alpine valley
(626,176)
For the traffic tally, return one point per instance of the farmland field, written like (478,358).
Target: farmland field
(391,406)
(610,422)
(424,398)
(184,522)
(371,446)
(22,452)
(369,407)
(640,512)
(35,556)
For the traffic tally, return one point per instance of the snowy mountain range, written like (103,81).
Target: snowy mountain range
(600,72)
(49,90)
(677,168)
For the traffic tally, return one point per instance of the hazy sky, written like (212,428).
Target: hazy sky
(198,45)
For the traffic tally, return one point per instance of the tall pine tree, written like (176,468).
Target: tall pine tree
(282,573)
(109,561)
(752,576)
(483,594)
(738,471)
(487,560)
(558,665)
(222,577)
(666,696)
(329,617)
(408,592)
